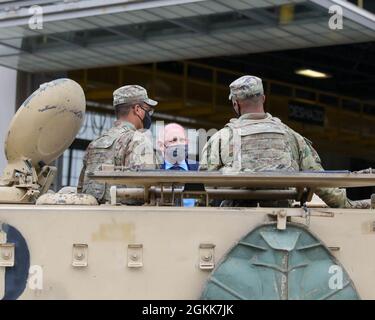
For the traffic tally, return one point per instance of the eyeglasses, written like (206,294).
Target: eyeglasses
(181,140)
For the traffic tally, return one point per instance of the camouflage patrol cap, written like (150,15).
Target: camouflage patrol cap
(132,94)
(246,87)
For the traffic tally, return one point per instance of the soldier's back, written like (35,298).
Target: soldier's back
(261,143)
(103,150)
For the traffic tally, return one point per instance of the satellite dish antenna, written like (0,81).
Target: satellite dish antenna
(42,129)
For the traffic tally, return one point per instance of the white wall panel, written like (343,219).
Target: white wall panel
(8,82)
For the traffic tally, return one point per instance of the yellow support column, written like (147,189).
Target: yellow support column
(286,13)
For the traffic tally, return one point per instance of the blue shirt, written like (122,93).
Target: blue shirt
(183,166)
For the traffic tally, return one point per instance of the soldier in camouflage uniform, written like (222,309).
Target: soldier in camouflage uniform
(256,141)
(125,144)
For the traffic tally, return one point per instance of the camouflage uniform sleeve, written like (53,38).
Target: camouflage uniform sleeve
(216,153)
(82,174)
(135,151)
(309,160)
(159,158)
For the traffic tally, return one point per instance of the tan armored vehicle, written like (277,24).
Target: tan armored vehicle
(65,246)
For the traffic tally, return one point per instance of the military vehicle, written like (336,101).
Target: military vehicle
(65,246)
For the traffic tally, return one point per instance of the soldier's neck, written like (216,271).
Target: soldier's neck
(256,115)
(122,122)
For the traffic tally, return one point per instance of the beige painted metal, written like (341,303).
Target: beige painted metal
(171,239)
(41,130)
(13,194)
(56,112)
(3,239)
(67,199)
(239,179)
(80,255)
(139,193)
(316,202)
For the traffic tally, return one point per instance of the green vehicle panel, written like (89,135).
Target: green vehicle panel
(289,264)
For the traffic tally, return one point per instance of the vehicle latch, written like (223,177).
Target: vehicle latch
(80,255)
(281,219)
(206,256)
(7,254)
(283,214)
(135,255)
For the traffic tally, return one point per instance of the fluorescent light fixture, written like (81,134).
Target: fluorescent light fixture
(312,73)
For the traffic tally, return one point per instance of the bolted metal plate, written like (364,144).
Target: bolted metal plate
(80,255)
(135,255)
(7,254)
(206,256)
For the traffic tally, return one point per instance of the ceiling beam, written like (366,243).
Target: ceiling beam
(258,15)
(190,26)
(80,9)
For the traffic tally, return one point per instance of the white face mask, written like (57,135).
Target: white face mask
(176,153)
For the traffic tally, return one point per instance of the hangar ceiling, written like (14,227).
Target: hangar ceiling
(93,33)
(351,66)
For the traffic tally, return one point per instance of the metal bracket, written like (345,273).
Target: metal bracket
(7,254)
(281,219)
(113,195)
(135,255)
(80,255)
(334,248)
(307,214)
(46,177)
(283,214)
(206,256)
(147,193)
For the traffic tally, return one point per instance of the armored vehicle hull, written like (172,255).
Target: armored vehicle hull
(119,252)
